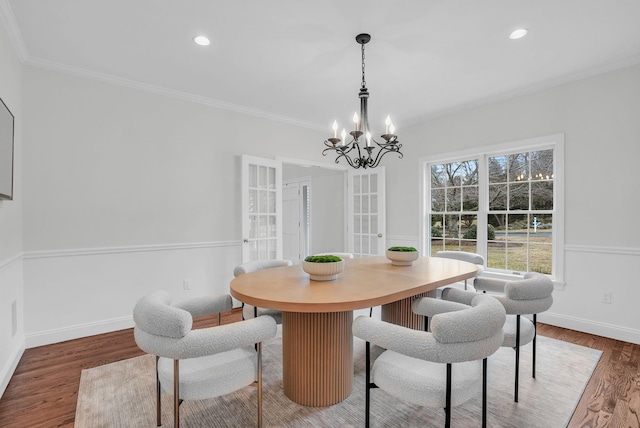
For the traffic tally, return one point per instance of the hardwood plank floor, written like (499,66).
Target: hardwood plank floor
(43,390)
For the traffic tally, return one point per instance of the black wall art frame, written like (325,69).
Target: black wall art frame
(7,124)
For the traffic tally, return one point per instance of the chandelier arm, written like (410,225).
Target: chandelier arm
(349,161)
(383,152)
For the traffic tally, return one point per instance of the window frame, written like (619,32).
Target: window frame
(482,154)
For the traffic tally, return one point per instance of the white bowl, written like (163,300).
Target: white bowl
(323,271)
(402,258)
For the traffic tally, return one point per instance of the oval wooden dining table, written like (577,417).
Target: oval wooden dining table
(317,343)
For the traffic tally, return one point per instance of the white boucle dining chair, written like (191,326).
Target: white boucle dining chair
(250,311)
(464,256)
(416,366)
(530,295)
(201,363)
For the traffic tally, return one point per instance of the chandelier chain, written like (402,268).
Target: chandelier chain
(364,83)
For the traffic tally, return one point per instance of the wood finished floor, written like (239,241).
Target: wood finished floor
(44,388)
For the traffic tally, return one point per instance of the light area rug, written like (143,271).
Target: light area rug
(122,394)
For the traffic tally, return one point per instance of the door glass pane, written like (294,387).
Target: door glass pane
(356,224)
(366,249)
(365,184)
(272,202)
(262,249)
(272,178)
(374,204)
(357,209)
(272,226)
(356,185)
(365,204)
(262,227)
(253,249)
(365,224)
(253,227)
(374,224)
(262,177)
(253,201)
(373,183)
(262,203)
(253,176)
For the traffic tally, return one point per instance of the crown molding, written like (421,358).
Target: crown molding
(15,36)
(158,90)
(526,90)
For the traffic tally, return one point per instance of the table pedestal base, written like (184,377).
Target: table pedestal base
(400,312)
(317,357)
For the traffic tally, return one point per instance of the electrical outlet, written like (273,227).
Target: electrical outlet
(186,284)
(606,297)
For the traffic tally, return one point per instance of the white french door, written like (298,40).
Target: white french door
(366,212)
(261,209)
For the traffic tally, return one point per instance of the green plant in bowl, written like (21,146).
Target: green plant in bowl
(402,256)
(403,249)
(323,259)
(323,268)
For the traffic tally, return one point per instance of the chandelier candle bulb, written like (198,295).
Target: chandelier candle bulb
(387,122)
(335,128)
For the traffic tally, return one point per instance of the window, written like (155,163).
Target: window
(504,202)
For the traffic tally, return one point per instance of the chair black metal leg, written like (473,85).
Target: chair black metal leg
(447,409)
(259,357)
(535,334)
(517,356)
(176,393)
(426,323)
(484,393)
(367,384)
(159,401)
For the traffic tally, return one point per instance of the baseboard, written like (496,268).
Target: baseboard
(591,327)
(10,367)
(77,331)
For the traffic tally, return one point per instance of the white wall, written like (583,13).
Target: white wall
(12,340)
(599,118)
(128,191)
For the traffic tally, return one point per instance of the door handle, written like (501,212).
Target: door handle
(379,235)
(245,240)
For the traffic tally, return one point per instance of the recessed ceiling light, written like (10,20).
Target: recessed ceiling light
(518,34)
(201,40)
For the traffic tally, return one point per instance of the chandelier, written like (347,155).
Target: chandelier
(356,156)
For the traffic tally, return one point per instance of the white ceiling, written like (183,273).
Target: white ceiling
(298,60)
